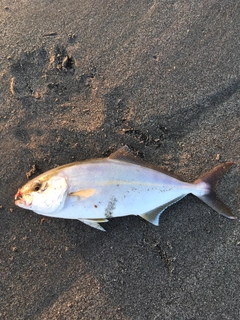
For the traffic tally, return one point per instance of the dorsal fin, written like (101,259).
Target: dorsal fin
(124,154)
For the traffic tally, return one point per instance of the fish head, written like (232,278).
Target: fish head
(44,195)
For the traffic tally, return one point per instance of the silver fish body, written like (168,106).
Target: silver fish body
(96,190)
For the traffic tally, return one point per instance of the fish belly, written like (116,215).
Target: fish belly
(118,189)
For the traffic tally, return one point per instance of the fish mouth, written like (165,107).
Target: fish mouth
(22,201)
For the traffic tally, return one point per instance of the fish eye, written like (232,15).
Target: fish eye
(37,186)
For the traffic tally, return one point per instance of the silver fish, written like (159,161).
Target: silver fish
(94,191)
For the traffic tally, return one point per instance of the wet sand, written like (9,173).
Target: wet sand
(79,79)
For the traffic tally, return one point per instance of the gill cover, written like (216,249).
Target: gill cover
(51,198)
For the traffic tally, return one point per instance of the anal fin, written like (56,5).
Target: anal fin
(153,215)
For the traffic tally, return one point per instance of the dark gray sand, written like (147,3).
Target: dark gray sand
(79,79)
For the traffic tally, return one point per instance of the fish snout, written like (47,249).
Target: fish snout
(18,195)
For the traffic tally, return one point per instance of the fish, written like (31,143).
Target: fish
(94,191)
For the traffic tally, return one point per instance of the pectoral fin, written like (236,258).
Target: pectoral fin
(153,215)
(94,223)
(83,193)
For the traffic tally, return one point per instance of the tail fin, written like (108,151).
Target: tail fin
(210,179)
